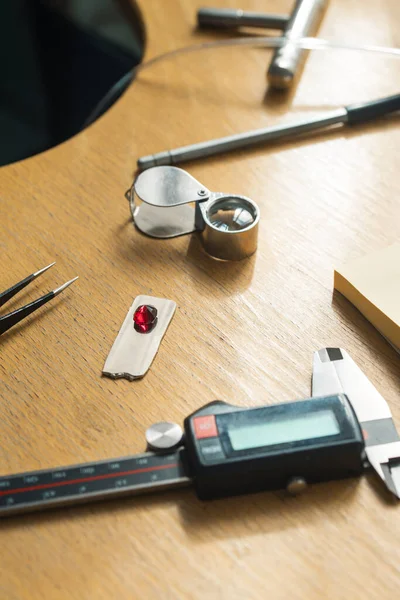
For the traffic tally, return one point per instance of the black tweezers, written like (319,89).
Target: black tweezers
(16,316)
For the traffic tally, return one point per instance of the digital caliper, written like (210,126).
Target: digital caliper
(344,428)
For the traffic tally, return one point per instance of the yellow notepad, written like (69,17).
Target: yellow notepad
(372,284)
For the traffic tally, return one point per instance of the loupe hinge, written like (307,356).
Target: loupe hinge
(199,213)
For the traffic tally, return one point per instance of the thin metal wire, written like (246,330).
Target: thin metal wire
(307,43)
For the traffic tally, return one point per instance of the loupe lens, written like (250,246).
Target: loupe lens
(231,214)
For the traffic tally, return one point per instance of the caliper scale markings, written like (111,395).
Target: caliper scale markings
(91,481)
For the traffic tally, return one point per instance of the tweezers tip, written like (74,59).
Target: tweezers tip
(37,273)
(65,285)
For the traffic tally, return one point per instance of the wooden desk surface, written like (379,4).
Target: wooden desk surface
(244,332)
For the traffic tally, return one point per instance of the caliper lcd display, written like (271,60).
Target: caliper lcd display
(283,429)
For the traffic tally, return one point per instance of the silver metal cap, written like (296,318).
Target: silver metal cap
(164,435)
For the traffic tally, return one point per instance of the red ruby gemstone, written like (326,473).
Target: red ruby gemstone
(145,317)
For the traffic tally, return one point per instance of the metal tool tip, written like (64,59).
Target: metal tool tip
(65,285)
(146,162)
(44,269)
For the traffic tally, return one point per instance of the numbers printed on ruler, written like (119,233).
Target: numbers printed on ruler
(121,482)
(31,479)
(87,470)
(49,494)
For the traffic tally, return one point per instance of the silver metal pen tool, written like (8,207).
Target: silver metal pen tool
(335,372)
(348,115)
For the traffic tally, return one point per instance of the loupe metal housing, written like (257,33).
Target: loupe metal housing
(167,202)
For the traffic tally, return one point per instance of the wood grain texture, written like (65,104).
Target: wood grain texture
(244,332)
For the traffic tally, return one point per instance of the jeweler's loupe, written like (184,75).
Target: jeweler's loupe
(166,202)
